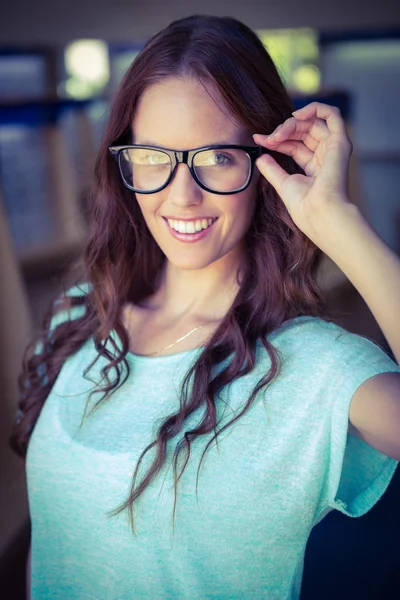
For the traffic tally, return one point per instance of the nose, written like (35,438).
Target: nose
(183,190)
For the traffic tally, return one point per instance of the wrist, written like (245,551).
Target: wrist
(335,229)
(351,241)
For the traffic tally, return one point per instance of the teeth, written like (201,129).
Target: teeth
(189,226)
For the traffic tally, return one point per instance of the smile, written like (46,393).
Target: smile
(190,231)
(190,226)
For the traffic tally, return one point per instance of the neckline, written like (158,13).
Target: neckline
(163,358)
(177,356)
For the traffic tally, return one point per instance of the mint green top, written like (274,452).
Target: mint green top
(275,474)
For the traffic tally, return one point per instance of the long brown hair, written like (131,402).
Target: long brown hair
(122,261)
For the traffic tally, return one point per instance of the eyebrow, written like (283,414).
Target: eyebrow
(240,140)
(216,143)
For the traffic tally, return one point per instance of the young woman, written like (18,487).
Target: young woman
(191,410)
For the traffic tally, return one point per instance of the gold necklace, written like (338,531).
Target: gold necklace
(177,341)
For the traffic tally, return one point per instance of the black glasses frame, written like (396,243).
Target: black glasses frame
(186,157)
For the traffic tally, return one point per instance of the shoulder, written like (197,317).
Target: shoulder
(306,331)
(319,340)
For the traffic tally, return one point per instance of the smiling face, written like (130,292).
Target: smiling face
(179,114)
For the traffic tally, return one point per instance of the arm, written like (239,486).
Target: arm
(374,270)
(318,203)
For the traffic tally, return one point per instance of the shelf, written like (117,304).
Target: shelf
(24,101)
(43,111)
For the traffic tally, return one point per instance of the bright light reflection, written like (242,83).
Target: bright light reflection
(87,62)
(295,53)
(307,79)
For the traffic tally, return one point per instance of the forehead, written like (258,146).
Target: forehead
(182,113)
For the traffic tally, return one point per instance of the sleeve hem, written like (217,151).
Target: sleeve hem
(359,477)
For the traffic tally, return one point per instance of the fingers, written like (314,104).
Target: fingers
(290,188)
(305,135)
(300,153)
(315,121)
(316,138)
(330,114)
(309,132)
(270,169)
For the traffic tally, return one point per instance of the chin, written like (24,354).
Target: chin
(193,263)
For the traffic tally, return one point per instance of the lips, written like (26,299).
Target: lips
(190,226)
(185,230)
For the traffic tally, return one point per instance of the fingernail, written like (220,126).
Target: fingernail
(275,132)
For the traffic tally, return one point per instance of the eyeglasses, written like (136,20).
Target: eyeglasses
(218,169)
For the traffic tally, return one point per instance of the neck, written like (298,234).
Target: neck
(206,294)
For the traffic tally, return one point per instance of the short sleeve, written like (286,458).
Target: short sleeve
(59,317)
(358,474)
(75,311)
(67,315)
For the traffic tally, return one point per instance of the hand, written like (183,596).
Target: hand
(317,140)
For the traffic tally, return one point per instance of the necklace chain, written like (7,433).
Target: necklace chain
(176,341)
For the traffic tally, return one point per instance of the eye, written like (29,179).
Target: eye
(157,158)
(213,158)
(221,159)
(149,158)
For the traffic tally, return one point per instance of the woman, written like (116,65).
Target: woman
(200,321)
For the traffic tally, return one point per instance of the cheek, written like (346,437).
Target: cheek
(148,205)
(241,211)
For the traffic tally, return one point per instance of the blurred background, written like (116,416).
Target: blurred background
(60,64)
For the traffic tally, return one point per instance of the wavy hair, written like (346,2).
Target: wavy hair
(122,262)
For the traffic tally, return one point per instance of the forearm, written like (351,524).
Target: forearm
(371,266)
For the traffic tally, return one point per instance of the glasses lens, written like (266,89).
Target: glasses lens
(144,169)
(223,170)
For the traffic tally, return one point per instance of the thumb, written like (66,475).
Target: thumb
(272,172)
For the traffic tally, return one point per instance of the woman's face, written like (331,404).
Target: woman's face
(179,114)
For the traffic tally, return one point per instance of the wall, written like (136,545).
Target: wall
(371,72)
(47,21)
(14,335)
